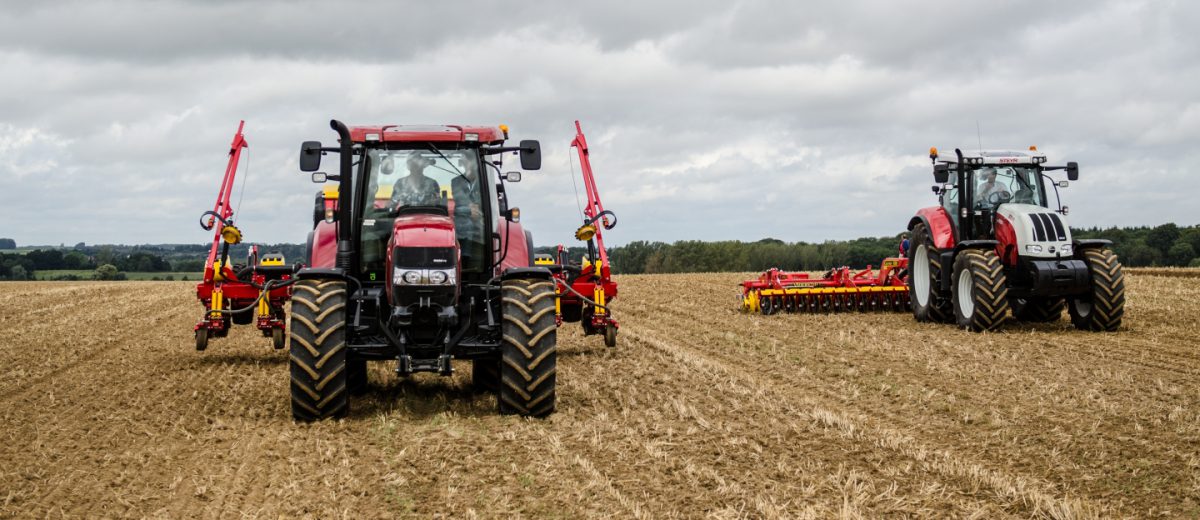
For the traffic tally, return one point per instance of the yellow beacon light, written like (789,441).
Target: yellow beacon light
(1033,148)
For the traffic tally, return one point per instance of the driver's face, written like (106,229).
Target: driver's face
(991,177)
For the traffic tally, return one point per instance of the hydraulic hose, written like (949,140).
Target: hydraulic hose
(266,289)
(580,295)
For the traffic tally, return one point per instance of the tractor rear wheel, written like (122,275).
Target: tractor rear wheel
(529,348)
(979,291)
(924,261)
(485,375)
(318,354)
(1101,308)
(1038,309)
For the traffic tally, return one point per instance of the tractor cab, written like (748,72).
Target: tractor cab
(975,186)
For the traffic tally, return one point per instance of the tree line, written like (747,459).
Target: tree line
(110,262)
(1167,245)
(1164,245)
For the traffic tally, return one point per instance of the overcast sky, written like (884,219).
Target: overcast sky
(706,119)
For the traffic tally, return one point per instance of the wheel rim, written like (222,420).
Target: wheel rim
(920,275)
(966,303)
(1083,308)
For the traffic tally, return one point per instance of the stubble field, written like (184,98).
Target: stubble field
(106,409)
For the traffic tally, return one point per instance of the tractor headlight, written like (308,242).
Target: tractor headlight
(1033,248)
(1065,249)
(402,276)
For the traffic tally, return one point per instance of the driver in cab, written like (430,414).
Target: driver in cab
(990,187)
(414,189)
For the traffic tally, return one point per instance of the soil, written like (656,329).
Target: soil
(106,409)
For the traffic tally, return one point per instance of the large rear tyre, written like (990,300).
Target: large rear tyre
(1038,309)
(528,349)
(924,260)
(979,290)
(318,350)
(1101,308)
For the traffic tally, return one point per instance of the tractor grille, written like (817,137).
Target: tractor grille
(1047,227)
(425,257)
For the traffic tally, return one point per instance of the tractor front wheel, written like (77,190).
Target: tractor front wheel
(1103,306)
(924,260)
(979,291)
(529,348)
(318,354)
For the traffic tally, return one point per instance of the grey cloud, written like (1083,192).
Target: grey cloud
(797,120)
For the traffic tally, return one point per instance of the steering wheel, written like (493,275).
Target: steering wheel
(996,198)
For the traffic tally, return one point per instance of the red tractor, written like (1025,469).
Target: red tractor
(995,244)
(420,260)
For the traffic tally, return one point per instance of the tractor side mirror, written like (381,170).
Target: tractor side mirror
(513,214)
(512,176)
(1072,171)
(941,173)
(319,177)
(531,155)
(310,156)
(937,190)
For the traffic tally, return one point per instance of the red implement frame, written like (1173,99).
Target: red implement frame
(221,288)
(838,290)
(594,279)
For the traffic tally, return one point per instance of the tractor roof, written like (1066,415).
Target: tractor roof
(993,157)
(425,133)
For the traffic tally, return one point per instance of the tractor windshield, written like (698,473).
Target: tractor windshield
(427,180)
(996,185)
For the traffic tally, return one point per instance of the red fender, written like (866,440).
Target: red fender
(938,222)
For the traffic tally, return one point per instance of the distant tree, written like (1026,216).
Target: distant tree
(75,260)
(80,245)
(46,260)
(18,273)
(1192,236)
(106,272)
(1181,254)
(1163,237)
(105,255)
(8,243)
(1138,254)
